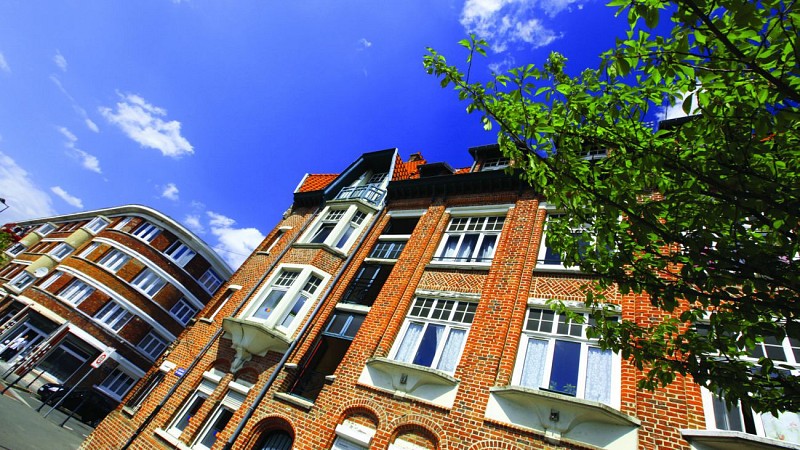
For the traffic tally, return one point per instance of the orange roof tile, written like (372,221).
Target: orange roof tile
(317,181)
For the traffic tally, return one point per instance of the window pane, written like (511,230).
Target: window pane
(725,418)
(785,426)
(322,233)
(486,252)
(430,342)
(452,348)
(298,305)
(535,361)
(219,423)
(268,305)
(405,352)
(564,374)
(467,247)
(598,375)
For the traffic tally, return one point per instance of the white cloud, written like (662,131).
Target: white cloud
(234,245)
(91,125)
(507,22)
(143,123)
(170,191)
(193,223)
(24,198)
(4,67)
(60,61)
(88,161)
(81,112)
(364,43)
(70,199)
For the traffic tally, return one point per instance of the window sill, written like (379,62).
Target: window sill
(385,261)
(404,379)
(171,440)
(732,440)
(458,265)
(577,420)
(303,403)
(555,268)
(332,250)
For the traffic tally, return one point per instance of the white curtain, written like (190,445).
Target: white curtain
(450,247)
(535,362)
(406,351)
(598,375)
(785,426)
(449,359)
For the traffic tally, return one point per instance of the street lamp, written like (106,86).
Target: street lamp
(3,201)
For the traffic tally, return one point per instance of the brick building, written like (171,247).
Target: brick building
(403,305)
(127,277)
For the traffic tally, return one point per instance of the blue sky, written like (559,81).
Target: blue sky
(212,111)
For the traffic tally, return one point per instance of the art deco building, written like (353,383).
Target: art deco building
(404,305)
(129,278)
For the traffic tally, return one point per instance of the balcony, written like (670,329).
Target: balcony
(370,194)
(250,338)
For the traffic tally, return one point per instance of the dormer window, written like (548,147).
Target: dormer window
(96,225)
(338,227)
(45,229)
(498,163)
(61,251)
(377,178)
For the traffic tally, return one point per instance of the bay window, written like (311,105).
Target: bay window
(287,298)
(338,227)
(470,240)
(434,333)
(113,260)
(556,356)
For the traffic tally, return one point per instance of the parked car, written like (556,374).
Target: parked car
(88,404)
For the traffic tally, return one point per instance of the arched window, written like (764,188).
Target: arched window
(276,440)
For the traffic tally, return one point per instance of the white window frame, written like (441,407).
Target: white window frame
(232,401)
(15,249)
(146,231)
(291,291)
(75,292)
(96,225)
(345,222)
(121,224)
(118,314)
(113,260)
(553,335)
(89,249)
(203,391)
(461,226)
(496,163)
(45,229)
(61,251)
(761,427)
(427,312)
(541,263)
(152,344)
(21,281)
(183,311)
(180,253)
(148,282)
(117,377)
(51,279)
(210,281)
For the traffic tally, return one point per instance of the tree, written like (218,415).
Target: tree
(700,214)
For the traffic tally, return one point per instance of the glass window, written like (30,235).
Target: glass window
(192,406)
(387,249)
(183,311)
(113,260)
(434,333)
(152,344)
(88,250)
(500,162)
(549,257)
(97,224)
(21,281)
(180,253)
(219,420)
(210,281)
(470,239)
(338,227)
(76,292)
(556,356)
(783,426)
(147,231)
(148,282)
(46,229)
(113,315)
(51,279)
(15,249)
(61,251)
(366,285)
(117,384)
(287,299)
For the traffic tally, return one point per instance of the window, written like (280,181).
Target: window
(88,250)
(148,282)
(210,281)
(183,311)
(50,280)
(366,285)
(146,231)
(76,292)
(548,257)
(377,178)
(180,253)
(21,281)
(352,436)
(15,249)
(470,239)
(121,224)
(556,356)
(45,229)
(145,389)
(195,402)
(275,440)
(275,239)
(784,427)
(117,384)
(287,298)
(434,333)
(219,419)
(385,249)
(113,260)
(61,251)
(152,345)
(500,162)
(338,227)
(97,224)
(113,315)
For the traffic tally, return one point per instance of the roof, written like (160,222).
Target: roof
(316,182)
(409,169)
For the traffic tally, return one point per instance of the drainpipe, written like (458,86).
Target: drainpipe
(251,409)
(215,337)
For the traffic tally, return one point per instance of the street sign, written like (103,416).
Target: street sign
(103,357)
(179,372)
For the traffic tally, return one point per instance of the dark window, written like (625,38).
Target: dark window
(364,288)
